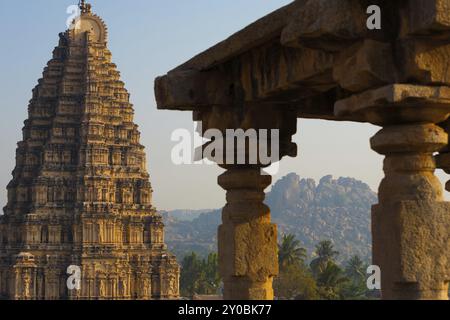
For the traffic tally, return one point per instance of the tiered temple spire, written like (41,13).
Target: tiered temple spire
(80,193)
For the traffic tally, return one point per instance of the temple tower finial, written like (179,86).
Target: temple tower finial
(84,7)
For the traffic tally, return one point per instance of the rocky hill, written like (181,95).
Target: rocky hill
(338,210)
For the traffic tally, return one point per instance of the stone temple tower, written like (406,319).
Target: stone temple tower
(80,196)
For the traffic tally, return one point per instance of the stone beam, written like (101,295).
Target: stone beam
(359,67)
(262,74)
(193,90)
(398,102)
(262,64)
(429,18)
(310,47)
(323,23)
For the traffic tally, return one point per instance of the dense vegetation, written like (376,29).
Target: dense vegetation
(321,279)
(200,275)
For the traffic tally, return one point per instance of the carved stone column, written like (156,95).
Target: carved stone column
(248,251)
(247,240)
(411,223)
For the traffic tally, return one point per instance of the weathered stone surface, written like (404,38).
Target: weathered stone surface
(191,90)
(80,193)
(427,17)
(253,117)
(398,102)
(425,62)
(411,224)
(269,70)
(247,240)
(409,138)
(259,75)
(409,163)
(412,249)
(326,24)
(360,68)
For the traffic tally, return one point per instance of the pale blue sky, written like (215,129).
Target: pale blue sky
(147,39)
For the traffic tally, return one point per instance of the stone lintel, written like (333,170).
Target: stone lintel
(398,103)
(330,25)
(289,74)
(193,90)
(309,48)
(360,67)
(427,17)
(292,77)
(261,64)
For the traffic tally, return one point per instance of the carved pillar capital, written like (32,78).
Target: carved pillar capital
(409,163)
(266,120)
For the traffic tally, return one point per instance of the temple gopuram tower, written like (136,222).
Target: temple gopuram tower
(80,194)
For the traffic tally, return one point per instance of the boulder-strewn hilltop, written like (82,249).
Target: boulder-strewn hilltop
(338,210)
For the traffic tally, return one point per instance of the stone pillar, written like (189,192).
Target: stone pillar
(410,223)
(248,251)
(247,240)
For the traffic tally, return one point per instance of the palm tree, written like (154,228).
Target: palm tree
(330,281)
(290,252)
(325,253)
(325,250)
(355,268)
(356,288)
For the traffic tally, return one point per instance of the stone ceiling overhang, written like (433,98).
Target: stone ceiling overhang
(311,54)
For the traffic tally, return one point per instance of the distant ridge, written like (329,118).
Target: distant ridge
(338,210)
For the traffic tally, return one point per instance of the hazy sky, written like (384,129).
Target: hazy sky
(147,39)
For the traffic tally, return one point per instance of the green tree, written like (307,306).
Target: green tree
(331,280)
(209,282)
(190,274)
(325,253)
(199,276)
(290,252)
(356,287)
(355,269)
(295,282)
